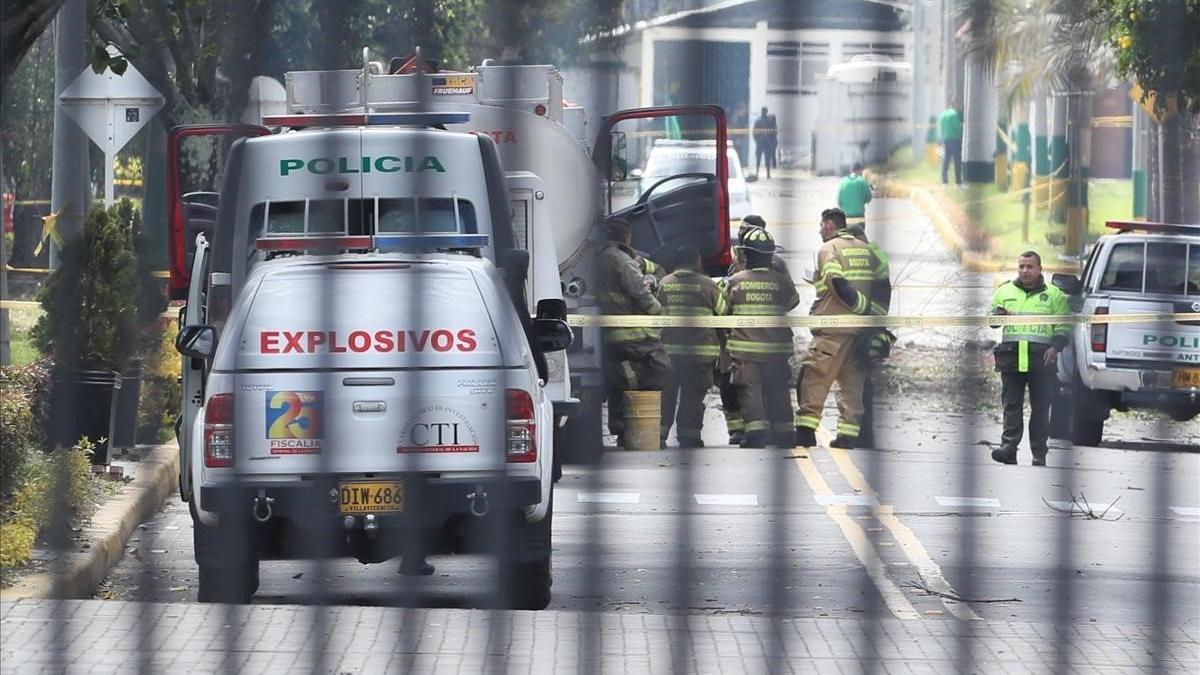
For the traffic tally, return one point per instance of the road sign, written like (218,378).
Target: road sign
(110,109)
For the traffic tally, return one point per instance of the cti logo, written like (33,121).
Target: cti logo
(386,164)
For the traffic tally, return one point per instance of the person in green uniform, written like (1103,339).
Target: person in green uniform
(1027,357)
(950,128)
(853,194)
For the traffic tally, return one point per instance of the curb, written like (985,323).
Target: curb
(927,202)
(109,530)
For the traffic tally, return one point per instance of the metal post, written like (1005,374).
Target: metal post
(919,77)
(70,196)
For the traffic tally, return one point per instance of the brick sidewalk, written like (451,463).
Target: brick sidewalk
(105,636)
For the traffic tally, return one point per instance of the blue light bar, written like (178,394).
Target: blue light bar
(421,119)
(429,242)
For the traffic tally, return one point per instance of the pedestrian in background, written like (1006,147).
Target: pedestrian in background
(854,193)
(760,355)
(950,128)
(766,139)
(633,358)
(687,291)
(1027,357)
(843,285)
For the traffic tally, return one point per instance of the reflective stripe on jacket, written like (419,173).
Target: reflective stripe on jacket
(760,292)
(688,293)
(1022,346)
(621,290)
(846,257)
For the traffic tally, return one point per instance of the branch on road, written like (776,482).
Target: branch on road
(1079,506)
(920,585)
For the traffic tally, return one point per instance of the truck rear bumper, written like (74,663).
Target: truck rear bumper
(428,502)
(1141,388)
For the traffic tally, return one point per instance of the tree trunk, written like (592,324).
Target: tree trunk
(1169,164)
(1153,178)
(1079,146)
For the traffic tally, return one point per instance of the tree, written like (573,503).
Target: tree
(21,23)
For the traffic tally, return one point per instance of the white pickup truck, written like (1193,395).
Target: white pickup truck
(1142,268)
(363,376)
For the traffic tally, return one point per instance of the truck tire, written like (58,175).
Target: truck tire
(1088,413)
(582,440)
(234,585)
(228,571)
(525,576)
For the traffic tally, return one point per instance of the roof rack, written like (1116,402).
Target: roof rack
(411,243)
(1160,228)
(417,119)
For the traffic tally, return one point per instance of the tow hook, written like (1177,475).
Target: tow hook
(479,502)
(369,524)
(262,506)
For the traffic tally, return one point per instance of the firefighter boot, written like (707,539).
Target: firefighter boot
(754,439)
(844,442)
(1005,455)
(805,437)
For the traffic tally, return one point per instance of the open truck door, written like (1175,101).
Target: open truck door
(666,173)
(192,210)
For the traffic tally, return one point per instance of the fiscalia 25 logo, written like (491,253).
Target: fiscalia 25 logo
(294,424)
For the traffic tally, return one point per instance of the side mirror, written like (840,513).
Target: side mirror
(551,308)
(197,342)
(552,335)
(1067,283)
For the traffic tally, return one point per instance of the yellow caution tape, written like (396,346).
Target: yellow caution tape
(855,321)
(161,274)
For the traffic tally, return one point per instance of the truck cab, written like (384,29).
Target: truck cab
(1141,268)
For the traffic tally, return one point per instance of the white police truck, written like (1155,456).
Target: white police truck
(561,183)
(1141,268)
(363,374)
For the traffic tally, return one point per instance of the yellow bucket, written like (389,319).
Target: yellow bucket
(643,418)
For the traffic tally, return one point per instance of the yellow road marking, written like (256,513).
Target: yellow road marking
(930,571)
(854,534)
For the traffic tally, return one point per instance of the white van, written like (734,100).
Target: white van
(373,405)
(670,160)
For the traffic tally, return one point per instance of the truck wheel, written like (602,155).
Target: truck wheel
(1088,413)
(525,577)
(582,441)
(227,561)
(1183,415)
(234,584)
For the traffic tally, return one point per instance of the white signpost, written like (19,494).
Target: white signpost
(110,109)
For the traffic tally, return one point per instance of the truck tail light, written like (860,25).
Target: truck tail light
(218,431)
(1100,332)
(522,427)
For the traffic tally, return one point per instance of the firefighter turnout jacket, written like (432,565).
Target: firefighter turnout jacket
(622,290)
(843,257)
(688,293)
(1022,348)
(760,292)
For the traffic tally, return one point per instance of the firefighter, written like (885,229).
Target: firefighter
(729,400)
(1027,357)
(760,368)
(687,291)
(634,359)
(843,284)
(874,345)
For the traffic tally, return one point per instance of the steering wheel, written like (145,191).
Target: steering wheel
(643,205)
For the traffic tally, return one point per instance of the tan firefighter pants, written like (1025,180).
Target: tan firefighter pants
(829,359)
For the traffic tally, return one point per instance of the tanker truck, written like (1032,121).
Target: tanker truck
(554,171)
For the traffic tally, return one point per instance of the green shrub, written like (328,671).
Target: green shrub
(161,391)
(24,398)
(43,481)
(90,300)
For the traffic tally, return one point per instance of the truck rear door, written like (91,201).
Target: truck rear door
(690,208)
(373,366)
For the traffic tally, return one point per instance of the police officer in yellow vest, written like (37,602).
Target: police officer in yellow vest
(633,358)
(1027,357)
(843,284)
(760,355)
(687,291)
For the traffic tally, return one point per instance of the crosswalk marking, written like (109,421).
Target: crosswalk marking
(846,500)
(608,497)
(1191,511)
(727,500)
(970,502)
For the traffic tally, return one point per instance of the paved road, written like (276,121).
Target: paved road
(820,535)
